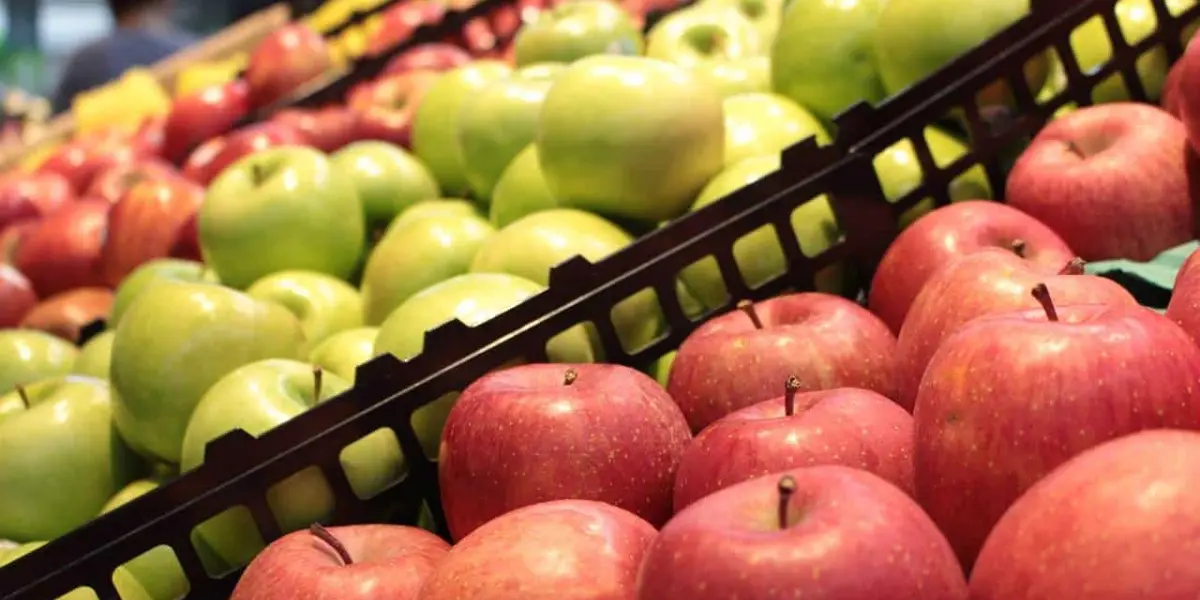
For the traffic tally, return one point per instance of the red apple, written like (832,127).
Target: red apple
(289,57)
(202,115)
(66,313)
(150,137)
(435,56)
(563,550)
(1188,91)
(13,236)
(62,251)
(1112,180)
(477,36)
(986,282)
(1184,307)
(187,243)
(826,533)
(399,22)
(1170,100)
(542,432)
(947,233)
(386,106)
(211,157)
(26,196)
(1009,397)
(326,129)
(148,223)
(846,426)
(16,296)
(114,182)
(1117,521)
(343,563)
(79,161)
(739,359)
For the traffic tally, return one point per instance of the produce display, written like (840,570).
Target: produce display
(984,411)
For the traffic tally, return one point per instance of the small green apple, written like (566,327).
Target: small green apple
(343,352)
(765,15)
(60,459)
(900,172)
(416,255)
(388,179)
(324,305)
(757,124)
(661,369)
(151,272)
(630,137)
(702,34)
(135,489)
(278,209)
(522,190)
(175,342)
(95,356)
(27,355)
(436,123)
(738,76)
(572,30)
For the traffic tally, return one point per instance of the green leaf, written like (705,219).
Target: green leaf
(1150,282)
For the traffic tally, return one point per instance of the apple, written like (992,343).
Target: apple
(48,488)
(765,15)
(1095,371)
(324,305)
(670,141)
(157,571)
(899,171)
(66,313)
(416,254)
(114,183)
(62,251)
(284,60)
(1184,307)
(367,561)
(203,114)
(521,190)
(822,57)
(149,138)
(128,588)
(1171,95)
(150,273)
(1073,177)
(81,159)
(211,158)
(947,233)
(146,223)
(572,30)
(281,209)
(432,208)
(386,107)
(751,74)
(660,370)
(327,129)
(13,236)
(435,56)
(16,296)
(95,356)
(826,532)
(388,180)
(32,196)
(705,33)
(174,342)
(27,356)
(435,125)
(567,549)
(260,396)
(343,352)
(134,490)
(758,124)
(399,21)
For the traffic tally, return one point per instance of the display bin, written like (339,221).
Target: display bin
(239,470)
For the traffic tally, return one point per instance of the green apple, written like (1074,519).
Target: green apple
(27,355)
(822,58)
(151,272)
(342,353)
(135,489)
(738,76)
(630,137)
(661,369)
(765,15)
(572,30)
(471,298)
(157,570)
(757,124)
(95,356)
(60,459)
(416,255)
(522,190)
(388,179)
(758,255)
(439,206)
(324,305)
(127,587)
(500,121)
(175,342)
(702,34)
(279,209)
(900,172)
(436,122)
(258,397)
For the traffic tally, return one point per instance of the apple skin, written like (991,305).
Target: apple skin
(323,304)
(521,190)
(201,115)
(388,180)
(386,107)
(48,488)
(1089,374)
(765,15)
(757,124)
(80,160)
(95,357)
(174,342)
(636,171)
(899,172)
(435,56)
(947,233)
(211,158)
(435,208)
(327,129)
(113,183)
(281,209)
(398,22)
(1172,97)
(1184,307)
(435,125)
(146,224)
(13,236)
(62,251)
(389,561)
(31,196)
(27,356)
(509,425)
(704,34)
(17,297)
(731,544)
(1075,177)
(157,571)
(343,352)
(728,363)
(66,313)
(570,31)
(563,550)
(150,273)
(283,61)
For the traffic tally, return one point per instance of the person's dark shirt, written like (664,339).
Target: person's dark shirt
(105,59)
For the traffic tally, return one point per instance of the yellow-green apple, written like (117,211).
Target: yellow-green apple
(417,254)
(566,549)
(27,356)
(987,281)
(128,588)
(66,313)
(1058,380)
(1069,520)
(822,56)
(947,233)
(572,30)
(343,352)
(435,126)
(436,207)
(324,305)
(202,115)
(132,491)
(61,252)
(146,223)
(521,190)
(16,296)
(900,172)
(278,209)
(670,142)
(157,571)
(174,343)
(34,195)
(845,426)
(509,424)
(765,15)
(717,43)
(1184,307)
(384,108)
(48,486)
(472,298)
(500,120)
(152,273)
(343,563)
(433,56)
(258,397)
(739,359)
(742,76)
(283,61)
(757,124)
(661,369)
(388,180)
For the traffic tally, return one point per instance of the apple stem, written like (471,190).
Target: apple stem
(787,488)
(318,379)
(747,307)
(1018,247)
(1041,293)
(1074,149)
(257,173)
(789,394)
(23,395)
(324,535)
(1073,267)
(570,376)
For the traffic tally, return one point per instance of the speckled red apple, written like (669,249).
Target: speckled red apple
(1184,307)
